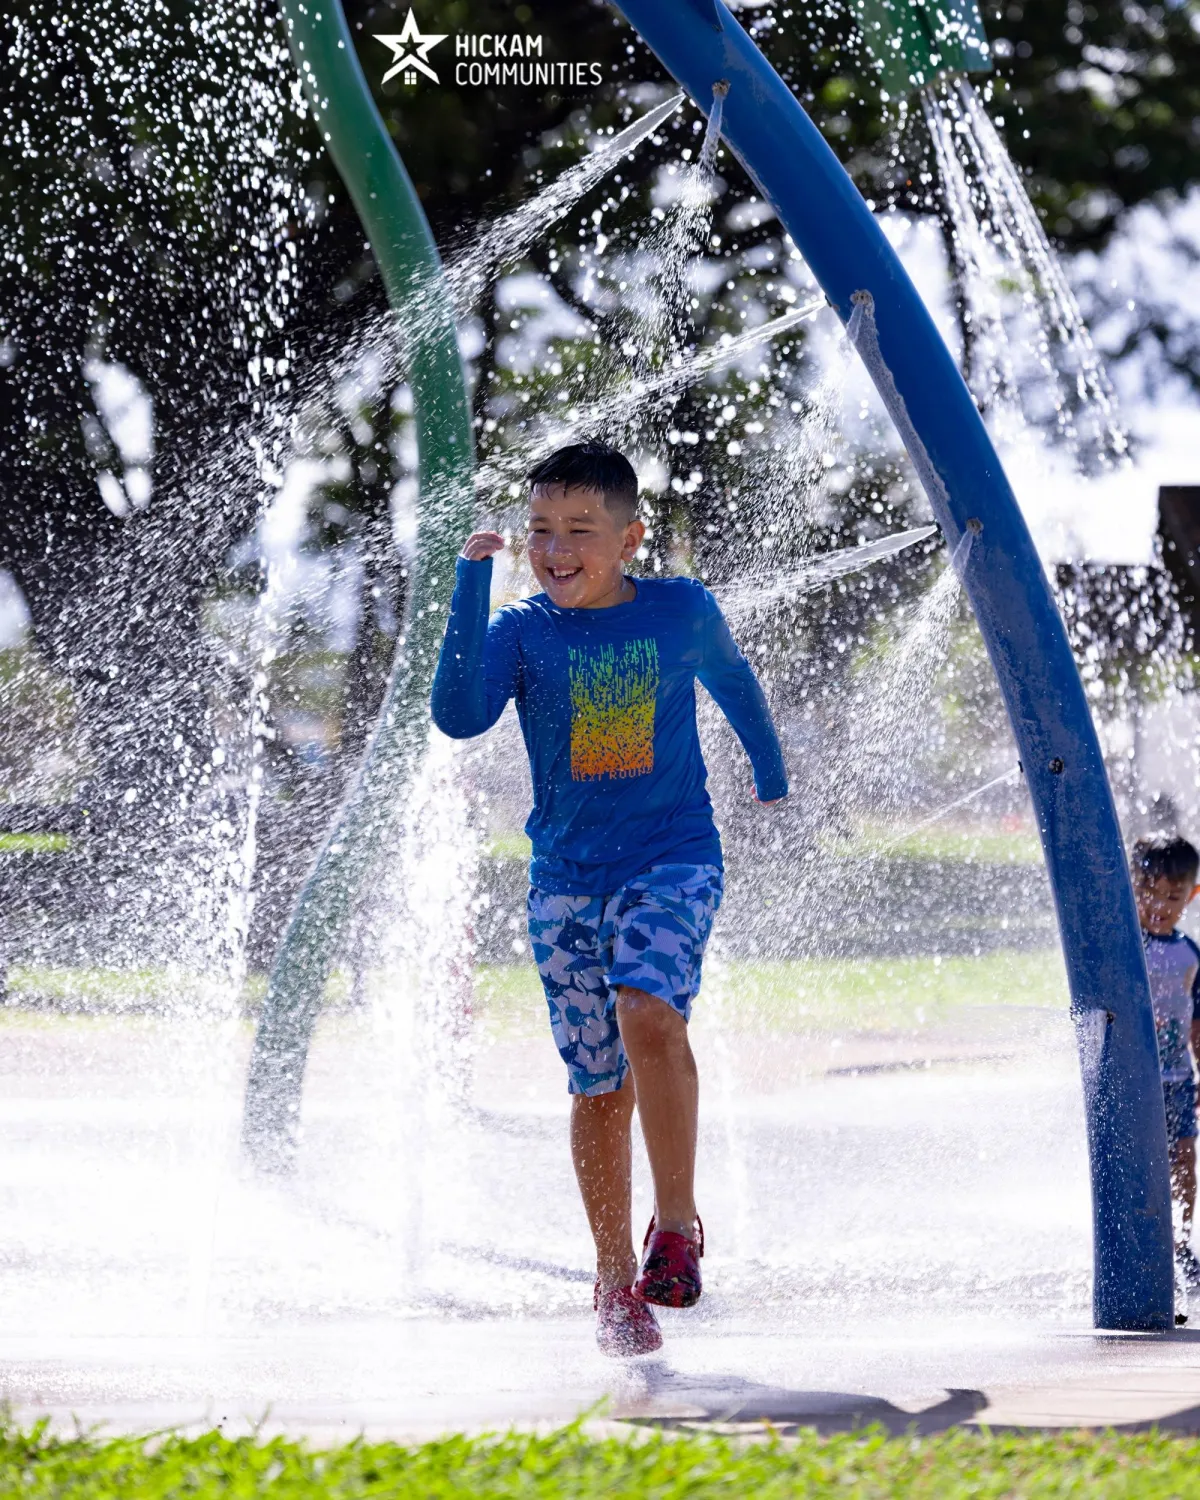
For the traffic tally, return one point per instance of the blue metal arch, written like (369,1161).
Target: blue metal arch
(701,43)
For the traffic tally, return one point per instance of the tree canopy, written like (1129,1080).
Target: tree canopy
(167,207)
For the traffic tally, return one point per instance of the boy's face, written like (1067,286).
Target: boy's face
(1161,901)
(578,548)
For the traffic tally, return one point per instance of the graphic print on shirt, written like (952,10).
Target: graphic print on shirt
(613,694)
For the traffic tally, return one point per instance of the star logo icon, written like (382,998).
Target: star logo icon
(410,50)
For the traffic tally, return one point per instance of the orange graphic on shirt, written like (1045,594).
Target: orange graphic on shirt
(612,710)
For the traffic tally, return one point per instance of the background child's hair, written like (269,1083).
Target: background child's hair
(1161,857)
(592,465)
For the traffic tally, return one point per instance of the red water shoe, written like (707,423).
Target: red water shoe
(670,1273)
(624,1325)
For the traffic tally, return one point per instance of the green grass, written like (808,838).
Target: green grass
(809,995)
(994,846)
(509,845)
(570,1465)
(119,991)
(87,989)
(874,994)
(116,991)
(944,845)
(34,843)
(821,995)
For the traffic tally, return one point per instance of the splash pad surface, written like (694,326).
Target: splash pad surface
(897,1219)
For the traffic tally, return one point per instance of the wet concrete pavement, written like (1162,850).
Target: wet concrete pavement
(898,1233)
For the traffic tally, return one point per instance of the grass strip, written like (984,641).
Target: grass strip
(34,843)
(38,1465)
(819,995)
(972,846)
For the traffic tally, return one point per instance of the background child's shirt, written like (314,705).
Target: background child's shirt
(1173,964)
(607,704)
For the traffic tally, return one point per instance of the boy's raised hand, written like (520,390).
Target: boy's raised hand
(481,544)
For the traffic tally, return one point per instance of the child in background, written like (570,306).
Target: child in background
(626,874)
(1164,872)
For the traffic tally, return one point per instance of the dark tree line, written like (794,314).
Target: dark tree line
(166,205)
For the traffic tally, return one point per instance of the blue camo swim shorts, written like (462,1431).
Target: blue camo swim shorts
(649,935)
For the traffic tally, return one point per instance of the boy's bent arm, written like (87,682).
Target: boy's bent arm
(729,678)
(477,669)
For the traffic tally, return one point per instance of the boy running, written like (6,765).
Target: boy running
(626,875)
(1164,874)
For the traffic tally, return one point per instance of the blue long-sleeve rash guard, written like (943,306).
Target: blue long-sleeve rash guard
(607,705)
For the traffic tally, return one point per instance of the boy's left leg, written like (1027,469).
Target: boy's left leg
(601,1154)
(1183,1181)
(660,923)
(1179,1099)
(655,1037)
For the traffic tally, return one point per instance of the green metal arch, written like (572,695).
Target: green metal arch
(357,140)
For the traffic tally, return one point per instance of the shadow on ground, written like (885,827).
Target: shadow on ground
(650,1393)
(658,1396)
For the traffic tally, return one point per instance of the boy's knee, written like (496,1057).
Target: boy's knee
(648,1019)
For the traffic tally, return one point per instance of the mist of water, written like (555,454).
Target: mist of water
(892,712)
(507,239)
(750,591)
(646,365)
(618,415)
(1030,357)
(950,807)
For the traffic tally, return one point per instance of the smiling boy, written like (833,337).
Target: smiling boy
(1164,872)
(626,875)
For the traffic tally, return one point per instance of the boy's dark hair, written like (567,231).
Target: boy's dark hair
(1161,857)
(592,466)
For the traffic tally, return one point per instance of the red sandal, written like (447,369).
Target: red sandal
(625,1326)
(670,1274)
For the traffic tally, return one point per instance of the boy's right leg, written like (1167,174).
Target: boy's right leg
(601,1152)
(566,934)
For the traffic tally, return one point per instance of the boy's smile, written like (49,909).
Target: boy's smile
(578,547)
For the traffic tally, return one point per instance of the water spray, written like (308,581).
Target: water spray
(922,389)
(753,591)
(390,210)
(944,812)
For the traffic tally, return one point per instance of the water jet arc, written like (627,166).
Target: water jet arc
(404,249)
(926,396)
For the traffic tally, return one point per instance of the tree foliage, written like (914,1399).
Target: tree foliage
(1105,106)
(156,216)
